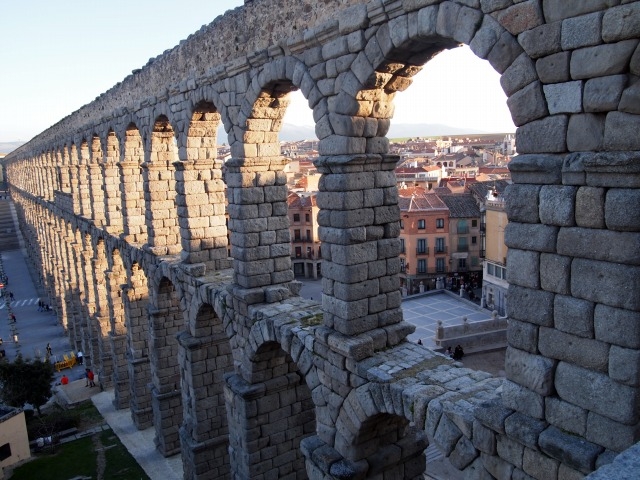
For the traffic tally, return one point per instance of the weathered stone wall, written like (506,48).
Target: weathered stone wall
(248,379)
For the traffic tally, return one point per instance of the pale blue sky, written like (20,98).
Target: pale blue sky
(57,56)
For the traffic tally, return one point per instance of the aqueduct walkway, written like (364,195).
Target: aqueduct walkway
(124,205)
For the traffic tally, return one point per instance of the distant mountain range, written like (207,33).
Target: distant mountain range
(291,133)
(6,147)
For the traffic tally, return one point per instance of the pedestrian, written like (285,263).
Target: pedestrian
(80,358)
(458,353)
(64,380)
(49,350)
(12,316)
(11,296)
(90,377)
(449,352)
(419,341)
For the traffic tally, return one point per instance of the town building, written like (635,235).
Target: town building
(465,264)
(494,278)
(305,245)
(424,240)
(14,441)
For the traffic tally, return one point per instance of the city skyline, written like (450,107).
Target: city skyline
(52,68)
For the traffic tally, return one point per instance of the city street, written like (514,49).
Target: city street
(34,329)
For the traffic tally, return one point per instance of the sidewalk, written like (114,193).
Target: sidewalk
(34,329)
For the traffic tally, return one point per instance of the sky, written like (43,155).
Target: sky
(57,56)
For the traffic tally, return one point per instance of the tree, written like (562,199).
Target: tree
(26,382)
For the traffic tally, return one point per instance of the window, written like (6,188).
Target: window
(296,235)
(496,271)
(298,252)
(474,261)
(5,451)
(439,222)
(402,266)
(401,224)
(463,246)
(440,248)
(474,223)
(402,245)
(474,240)
(439,265)
(462,263)
(308,235)
(422,266)
(296,217)
(463,227)
(422,245)
(421,224)
(307,217)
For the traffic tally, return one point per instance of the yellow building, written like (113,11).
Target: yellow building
(14,442)
(494,283)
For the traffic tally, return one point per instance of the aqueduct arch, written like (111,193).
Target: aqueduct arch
(570,70)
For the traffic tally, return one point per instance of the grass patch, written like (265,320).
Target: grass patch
(119,462)
(69,460)
(84,457)
(57,419)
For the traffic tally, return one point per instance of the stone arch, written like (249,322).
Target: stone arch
(279,393)
(116,279)
(137,305)
(256,182)
(374,435)
(97,187)
(165,321)
(158,173)
(205,358)
(82,205)
(111,181)
(101,319)
(130,186)
(201,192)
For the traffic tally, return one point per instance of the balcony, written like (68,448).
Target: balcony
(462,229)
(422,251)
(463,248)
(303,240)
(440,249)
(483,227)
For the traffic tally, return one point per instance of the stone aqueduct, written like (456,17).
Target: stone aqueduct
(123,206)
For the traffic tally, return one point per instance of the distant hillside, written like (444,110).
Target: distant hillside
(402,130)
(291,133)
(7,147)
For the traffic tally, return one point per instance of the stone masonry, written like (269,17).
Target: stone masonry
(123,206)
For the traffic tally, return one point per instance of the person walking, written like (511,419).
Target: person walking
(90,377)
(80,358)
(49,350)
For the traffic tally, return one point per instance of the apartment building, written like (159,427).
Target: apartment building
(424,239)
(493,223)
(465,263)
(305,245)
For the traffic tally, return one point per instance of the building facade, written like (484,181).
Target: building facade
(306,253)
(494,279)
(424,241)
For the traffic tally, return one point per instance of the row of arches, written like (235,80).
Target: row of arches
(156,160)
